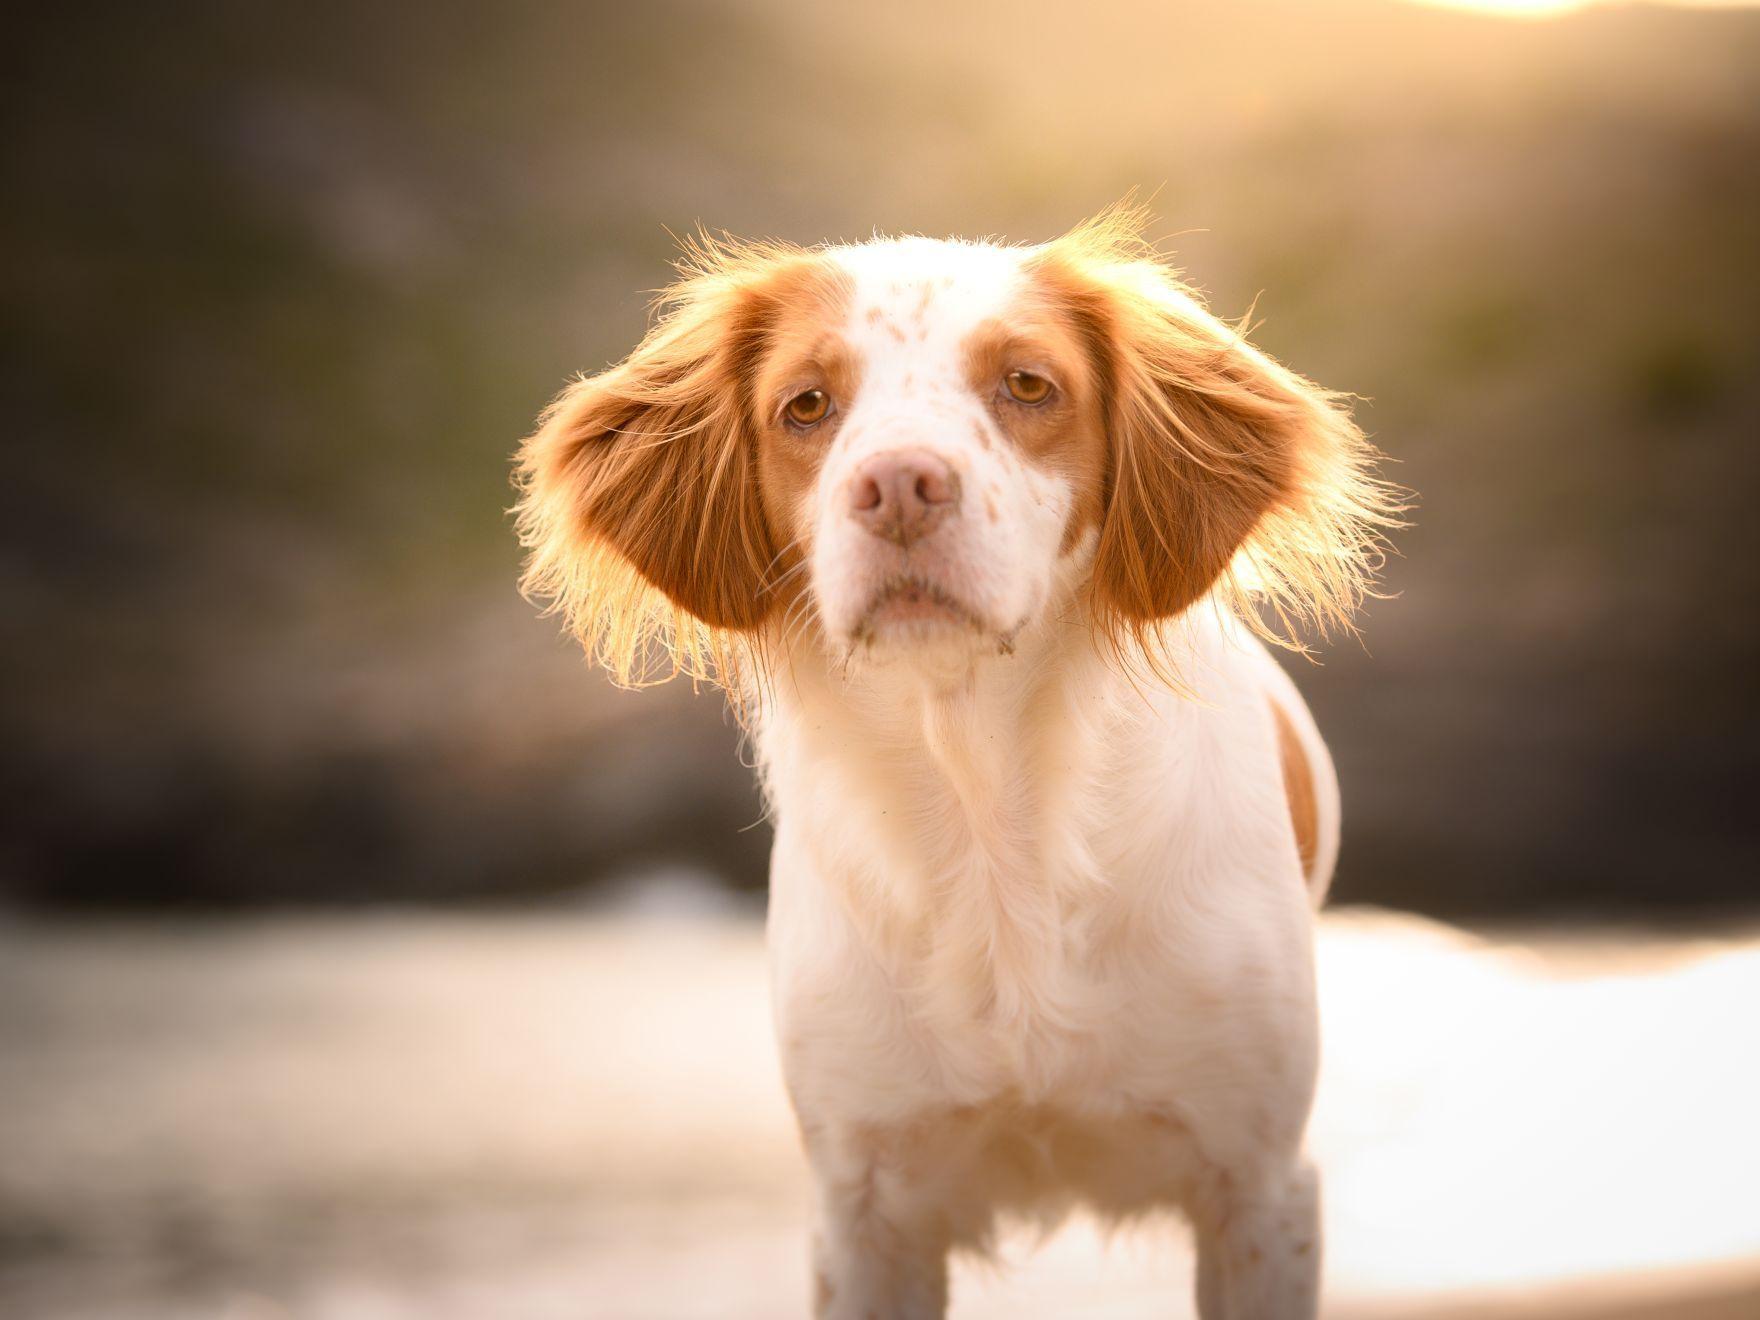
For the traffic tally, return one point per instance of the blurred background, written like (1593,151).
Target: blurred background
(297,789)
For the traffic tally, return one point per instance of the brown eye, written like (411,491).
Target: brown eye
(1025,387)
(808,408)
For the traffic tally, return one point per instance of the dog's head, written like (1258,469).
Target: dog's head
(911,449)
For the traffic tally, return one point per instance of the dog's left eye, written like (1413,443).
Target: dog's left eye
(808,408)
(1025,387)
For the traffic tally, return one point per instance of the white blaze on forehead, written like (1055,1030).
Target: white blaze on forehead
(917,299)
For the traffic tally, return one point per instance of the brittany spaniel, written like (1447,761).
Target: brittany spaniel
(982,540)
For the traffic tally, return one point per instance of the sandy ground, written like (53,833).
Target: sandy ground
(573,1114)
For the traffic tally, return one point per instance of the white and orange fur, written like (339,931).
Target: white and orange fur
(982,540)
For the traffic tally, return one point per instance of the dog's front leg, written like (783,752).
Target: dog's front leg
(880,1245)
(1259,1246)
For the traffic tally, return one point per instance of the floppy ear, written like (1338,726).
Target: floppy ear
(639,499)
(1224,469)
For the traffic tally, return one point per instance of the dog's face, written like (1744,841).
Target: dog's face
(930,448)
(910,450)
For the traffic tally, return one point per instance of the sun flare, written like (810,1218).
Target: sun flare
(1512,8)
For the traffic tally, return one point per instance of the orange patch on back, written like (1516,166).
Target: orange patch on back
(1298,787)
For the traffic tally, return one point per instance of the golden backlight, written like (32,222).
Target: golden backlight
(1548,8)
(1512,8)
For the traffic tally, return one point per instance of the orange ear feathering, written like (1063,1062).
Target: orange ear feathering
(639,501)
(1226,470)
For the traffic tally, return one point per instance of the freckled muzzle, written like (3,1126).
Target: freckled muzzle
(911,564)
(931,551)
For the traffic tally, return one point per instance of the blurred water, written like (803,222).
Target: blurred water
(577,1114)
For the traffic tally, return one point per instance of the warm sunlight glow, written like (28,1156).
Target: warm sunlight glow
(1585,1126)
(1512,8)
(1550,8)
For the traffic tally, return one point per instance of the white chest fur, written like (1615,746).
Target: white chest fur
(1016,887)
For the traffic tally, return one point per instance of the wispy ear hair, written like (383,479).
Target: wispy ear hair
(638,495)
(1226,471)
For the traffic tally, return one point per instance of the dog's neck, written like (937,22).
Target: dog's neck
(974,737)
(960,814)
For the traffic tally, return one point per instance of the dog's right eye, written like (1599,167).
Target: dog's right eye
(1025,387)
(808,408)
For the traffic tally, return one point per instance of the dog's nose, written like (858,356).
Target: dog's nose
(903,494)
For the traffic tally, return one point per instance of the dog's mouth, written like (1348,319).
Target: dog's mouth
(914,602)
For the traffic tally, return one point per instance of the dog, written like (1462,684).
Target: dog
(983,541)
